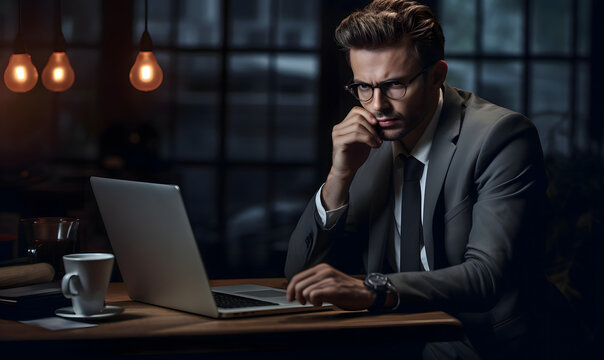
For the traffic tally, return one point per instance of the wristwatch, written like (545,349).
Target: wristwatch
(380,285)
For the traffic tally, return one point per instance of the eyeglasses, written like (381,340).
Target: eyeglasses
(393,89)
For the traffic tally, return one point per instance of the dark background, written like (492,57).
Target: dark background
(242,119)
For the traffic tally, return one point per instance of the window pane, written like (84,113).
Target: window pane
(296,186)
(295,139)
(249,23)
(196,128)
(247,111)
(86,67)
(295,136)
(81,21)
(77,139)
(298,24)
(502,83)
(197,76)
(79,123)
(293,190)
(247,129)
(503,26)
(297,74)
(158,21)
(551,26)
(248,219)
(200,23)
(550,104)
(248,73)
(9,15)
(582,130)
(462,74)
(198,190)
(195,133)
(584,27)
(458,19)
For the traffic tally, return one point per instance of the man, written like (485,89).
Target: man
(472,245)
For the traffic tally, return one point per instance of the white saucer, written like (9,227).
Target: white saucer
(108,311)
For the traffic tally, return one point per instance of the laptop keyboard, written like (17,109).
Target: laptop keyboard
(228,301)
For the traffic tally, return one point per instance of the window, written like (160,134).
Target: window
(530,56)
(240,130)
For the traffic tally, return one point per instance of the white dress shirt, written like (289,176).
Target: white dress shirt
(421,152)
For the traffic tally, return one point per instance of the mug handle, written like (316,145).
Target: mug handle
(65,285)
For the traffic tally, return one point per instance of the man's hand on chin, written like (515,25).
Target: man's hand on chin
(323,283)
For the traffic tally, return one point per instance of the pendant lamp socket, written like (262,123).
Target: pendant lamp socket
(146,44)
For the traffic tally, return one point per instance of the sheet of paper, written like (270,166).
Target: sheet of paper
(57,323)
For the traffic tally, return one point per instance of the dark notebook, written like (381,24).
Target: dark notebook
(31,301)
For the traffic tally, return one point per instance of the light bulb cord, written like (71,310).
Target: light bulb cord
(146,44)
(19,18)
(60,44)
(19,44)
(58,17)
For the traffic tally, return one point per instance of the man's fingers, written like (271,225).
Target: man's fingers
(319,292)
(309,282)
(368,116)
(323,283)
(356,124)
(355,133)
(291,287)
(357,137)
(306,279)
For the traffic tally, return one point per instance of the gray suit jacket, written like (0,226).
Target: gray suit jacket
(484,201)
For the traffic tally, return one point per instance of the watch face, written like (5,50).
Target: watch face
(377,280)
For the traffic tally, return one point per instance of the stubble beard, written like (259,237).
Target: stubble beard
(398,133)
(391,134)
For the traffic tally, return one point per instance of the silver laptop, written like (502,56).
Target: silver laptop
(160,263)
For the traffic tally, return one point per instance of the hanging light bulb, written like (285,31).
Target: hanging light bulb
(20,74)
(58,74)
(146,74)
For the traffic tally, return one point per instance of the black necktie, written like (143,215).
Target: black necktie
(411,221)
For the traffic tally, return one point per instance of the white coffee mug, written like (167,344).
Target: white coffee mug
(86,280)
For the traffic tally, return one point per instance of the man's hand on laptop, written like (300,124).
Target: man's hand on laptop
(324,284)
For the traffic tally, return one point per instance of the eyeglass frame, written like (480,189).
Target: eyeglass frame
(350,87)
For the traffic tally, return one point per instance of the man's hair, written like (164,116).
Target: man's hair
(385,23)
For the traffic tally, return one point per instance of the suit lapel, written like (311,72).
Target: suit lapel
(441,153)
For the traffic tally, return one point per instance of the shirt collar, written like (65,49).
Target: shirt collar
(421,151)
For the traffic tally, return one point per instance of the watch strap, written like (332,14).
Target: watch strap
(380,300)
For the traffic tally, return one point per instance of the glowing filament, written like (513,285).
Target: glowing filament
(20,73)
(58,74)
(146,73)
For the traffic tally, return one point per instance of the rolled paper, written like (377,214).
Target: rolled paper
(11,276)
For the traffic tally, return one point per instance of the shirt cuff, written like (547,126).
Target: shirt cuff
(329,218)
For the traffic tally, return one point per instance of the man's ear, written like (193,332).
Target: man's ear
(439,73)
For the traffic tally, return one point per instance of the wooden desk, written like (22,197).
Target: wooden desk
(146,329)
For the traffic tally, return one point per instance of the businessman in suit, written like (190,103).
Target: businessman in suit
(470,241)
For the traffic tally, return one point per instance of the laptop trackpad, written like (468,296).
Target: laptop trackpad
(262,293)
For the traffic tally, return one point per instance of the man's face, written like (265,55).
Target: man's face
(397,119)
